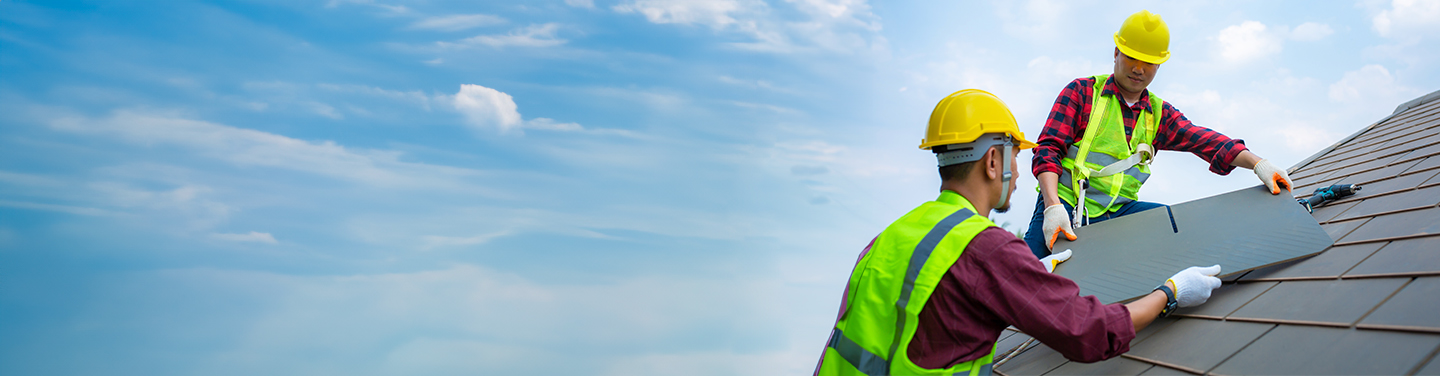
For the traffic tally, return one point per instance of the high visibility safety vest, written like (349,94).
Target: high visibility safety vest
(892,282)
(1103,144)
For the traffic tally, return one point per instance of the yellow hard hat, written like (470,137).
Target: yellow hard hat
(965,115)
(1144,37)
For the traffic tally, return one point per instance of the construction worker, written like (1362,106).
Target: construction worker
(932,293)
(1114,125)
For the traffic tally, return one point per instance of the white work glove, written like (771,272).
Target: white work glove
(1054,260)
(1274,178)
(1057,222)
(1193,285)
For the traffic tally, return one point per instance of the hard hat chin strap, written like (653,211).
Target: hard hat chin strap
(972,151)
(1005,174)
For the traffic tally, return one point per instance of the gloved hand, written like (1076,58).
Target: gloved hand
(1193,285)
(1054,260)
(1057,222)
(1273,177)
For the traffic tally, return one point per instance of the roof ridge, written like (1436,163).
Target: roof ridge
(1417,102)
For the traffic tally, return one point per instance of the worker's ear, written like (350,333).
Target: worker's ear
(993,163)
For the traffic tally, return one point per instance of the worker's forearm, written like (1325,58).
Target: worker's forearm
(1145,310)
(1048,182)
(1246,159)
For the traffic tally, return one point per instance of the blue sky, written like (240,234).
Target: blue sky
(548,187)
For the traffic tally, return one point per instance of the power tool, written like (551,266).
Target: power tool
(1325,195)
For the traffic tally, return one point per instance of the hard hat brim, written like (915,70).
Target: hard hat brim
(1148,58)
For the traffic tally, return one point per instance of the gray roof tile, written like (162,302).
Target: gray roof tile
(1308,350)
(1415,306)
(1420,255)
(1335,302)
(1177,344)
(1227,299)
(1113,366)
(1338,230)
(1412,223)
(1330,264)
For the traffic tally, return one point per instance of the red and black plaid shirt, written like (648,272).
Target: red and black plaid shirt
(1072,111)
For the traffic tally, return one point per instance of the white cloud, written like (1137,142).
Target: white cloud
(1408,19)
(487,108)
(252,237)
(542,35)
(249,147)
(846,26)
(434,241)
(1311,31)
(1250,40)
(457,22)
(588,4)
(1035,20)
(1368,80)
(392,10)
(713,13)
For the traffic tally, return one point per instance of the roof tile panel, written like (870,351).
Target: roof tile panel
(1412,223)
(1332,302)
(1227,299)
(1177,344)
(1113,366)
(1308,350)
(1162,371)
(1392,202)
(1414,306)
(1359,176)
(1328,212)
(1329,264)
(1409,256)
(1036,361)
(1339,230)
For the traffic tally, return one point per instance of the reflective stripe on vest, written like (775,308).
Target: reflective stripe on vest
(1103,143)
(890,285)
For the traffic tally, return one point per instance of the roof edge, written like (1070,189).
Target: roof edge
(1417,102)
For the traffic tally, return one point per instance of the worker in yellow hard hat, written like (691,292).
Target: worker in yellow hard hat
(1103,131)
(932,293)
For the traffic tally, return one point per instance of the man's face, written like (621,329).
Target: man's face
(1132,75)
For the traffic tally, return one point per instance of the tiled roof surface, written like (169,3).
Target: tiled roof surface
(1369,304)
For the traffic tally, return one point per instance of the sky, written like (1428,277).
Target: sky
(614,187)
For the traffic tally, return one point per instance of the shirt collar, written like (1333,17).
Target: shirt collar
(1112,90)
(950,197)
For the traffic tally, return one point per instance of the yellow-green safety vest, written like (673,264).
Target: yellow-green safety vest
(892,282)
(1104,143)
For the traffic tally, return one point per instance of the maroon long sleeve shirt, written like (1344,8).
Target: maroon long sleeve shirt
(1066,125)
(997,283)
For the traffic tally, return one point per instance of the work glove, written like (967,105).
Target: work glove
(1193,285)
(1057,222)
(1054,260)
(1273,177)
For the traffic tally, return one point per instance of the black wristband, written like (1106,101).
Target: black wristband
(1170,302)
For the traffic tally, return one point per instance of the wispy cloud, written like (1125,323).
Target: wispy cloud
(248,147)
(251,237)
(435,241)
(457,22)
(845,26)
(389,9)
(541,35)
